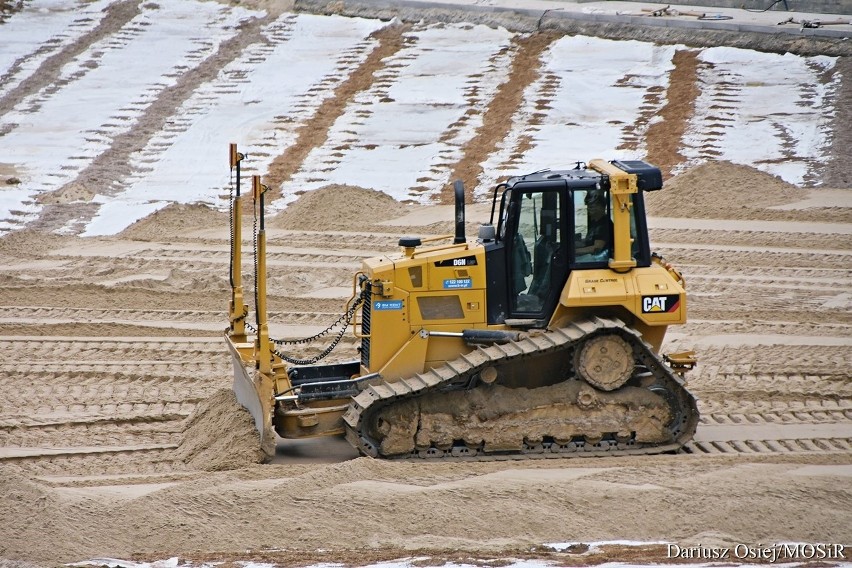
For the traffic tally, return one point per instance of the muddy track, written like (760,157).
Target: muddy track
(110,447)
(106,460)
(41,315)
(388,41)
(838,172)
(772,442)
(805,410)
(100,403)
(749,238)
(524,69)
(721,327)
(756,256)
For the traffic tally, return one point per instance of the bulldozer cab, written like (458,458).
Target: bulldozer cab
(555,222)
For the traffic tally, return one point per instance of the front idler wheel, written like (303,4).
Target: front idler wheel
(605,362)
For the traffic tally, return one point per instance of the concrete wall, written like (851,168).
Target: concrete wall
(814,6)
(692,32)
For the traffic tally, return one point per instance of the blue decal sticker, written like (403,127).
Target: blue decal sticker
(455,283)
(387,305)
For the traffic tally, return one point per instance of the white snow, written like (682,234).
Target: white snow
(601,87)
(54,134)
(256,105)
(595,98)
(766,110)
(39,31)
(403,134)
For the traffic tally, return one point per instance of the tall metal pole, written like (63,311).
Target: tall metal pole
(262,345)
(237,308)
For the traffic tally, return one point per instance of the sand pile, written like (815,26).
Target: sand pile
(721,190)
(70,193)
(29,513)
(220,435)
(338,207)
(30,243)
(175,219)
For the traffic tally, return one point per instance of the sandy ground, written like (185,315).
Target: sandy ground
(119,436)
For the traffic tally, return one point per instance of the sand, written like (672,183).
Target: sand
(120,437)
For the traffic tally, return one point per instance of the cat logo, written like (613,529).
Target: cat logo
(660,304)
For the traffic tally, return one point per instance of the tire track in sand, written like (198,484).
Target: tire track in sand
(117,15)
(313,133)
(497,119)
(114,163)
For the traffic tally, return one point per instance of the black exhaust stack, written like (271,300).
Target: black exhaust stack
(458,186)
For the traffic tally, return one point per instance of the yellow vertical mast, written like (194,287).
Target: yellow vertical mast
(263,348)
(237,309)
(622,186)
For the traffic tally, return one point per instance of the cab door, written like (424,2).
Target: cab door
(537,249)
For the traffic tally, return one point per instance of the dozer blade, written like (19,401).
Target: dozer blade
(254,392)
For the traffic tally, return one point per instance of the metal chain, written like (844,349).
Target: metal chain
(345,319)
(242,317)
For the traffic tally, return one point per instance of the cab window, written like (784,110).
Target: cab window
(535,251)
(593,228)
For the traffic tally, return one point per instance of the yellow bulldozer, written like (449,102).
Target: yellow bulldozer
(539,338)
